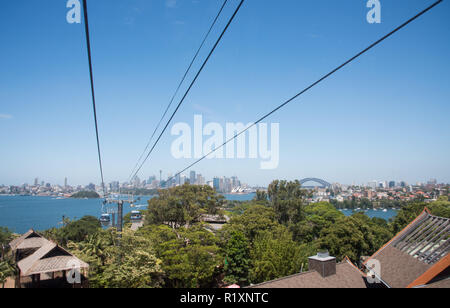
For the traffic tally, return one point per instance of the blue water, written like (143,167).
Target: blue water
(246,197)
(20,213)
(371,213)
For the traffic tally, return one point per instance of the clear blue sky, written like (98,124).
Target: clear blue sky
(384,117)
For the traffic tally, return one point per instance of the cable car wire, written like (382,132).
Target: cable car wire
(190,86)
(311,86)
(179,87)
(88,42)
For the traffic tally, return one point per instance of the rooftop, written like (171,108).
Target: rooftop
(347,276)
(417,255)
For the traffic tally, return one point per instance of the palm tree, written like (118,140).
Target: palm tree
(7,269)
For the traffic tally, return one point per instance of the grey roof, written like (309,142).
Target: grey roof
(347,276)
(399,269)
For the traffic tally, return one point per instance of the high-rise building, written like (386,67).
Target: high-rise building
(200,180)
(392,184)
(36,182)
(216,184)
(192,178)
(373,185)
(65,182)
(432,182)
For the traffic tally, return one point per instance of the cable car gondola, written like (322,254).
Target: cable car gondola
(136,216)
(105,219)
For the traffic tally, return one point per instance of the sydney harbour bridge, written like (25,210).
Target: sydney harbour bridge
(323,183)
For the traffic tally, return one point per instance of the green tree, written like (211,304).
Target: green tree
(132,264)
(274,255)
(5,238)
(254,220)
(237,259)
(190,257)
(7,270)
(317,217)
(183,205)
(75,231)
(286,198)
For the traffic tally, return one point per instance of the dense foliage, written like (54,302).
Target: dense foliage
(183,205)
(7,268)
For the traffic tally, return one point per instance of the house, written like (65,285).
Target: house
(42,263)
(417,257)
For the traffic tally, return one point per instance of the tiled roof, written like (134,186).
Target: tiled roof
(347,276)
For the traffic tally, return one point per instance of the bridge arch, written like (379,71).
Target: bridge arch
(324,183)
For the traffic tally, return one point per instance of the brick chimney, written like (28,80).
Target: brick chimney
(323,264)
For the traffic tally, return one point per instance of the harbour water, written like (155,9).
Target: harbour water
(390,213)
(20,213)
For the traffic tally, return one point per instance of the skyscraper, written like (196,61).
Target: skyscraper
(216,184)
(192,178)
(65,182)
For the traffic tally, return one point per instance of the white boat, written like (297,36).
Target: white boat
(385,210)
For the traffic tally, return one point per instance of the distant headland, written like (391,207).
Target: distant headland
(85,195)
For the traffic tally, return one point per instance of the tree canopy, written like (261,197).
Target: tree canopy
(183,205)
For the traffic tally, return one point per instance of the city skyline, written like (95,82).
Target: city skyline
(38,181)
(384,117)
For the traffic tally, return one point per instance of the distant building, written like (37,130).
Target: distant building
(432,182)
(216,184)
(192,178)
(373,185)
